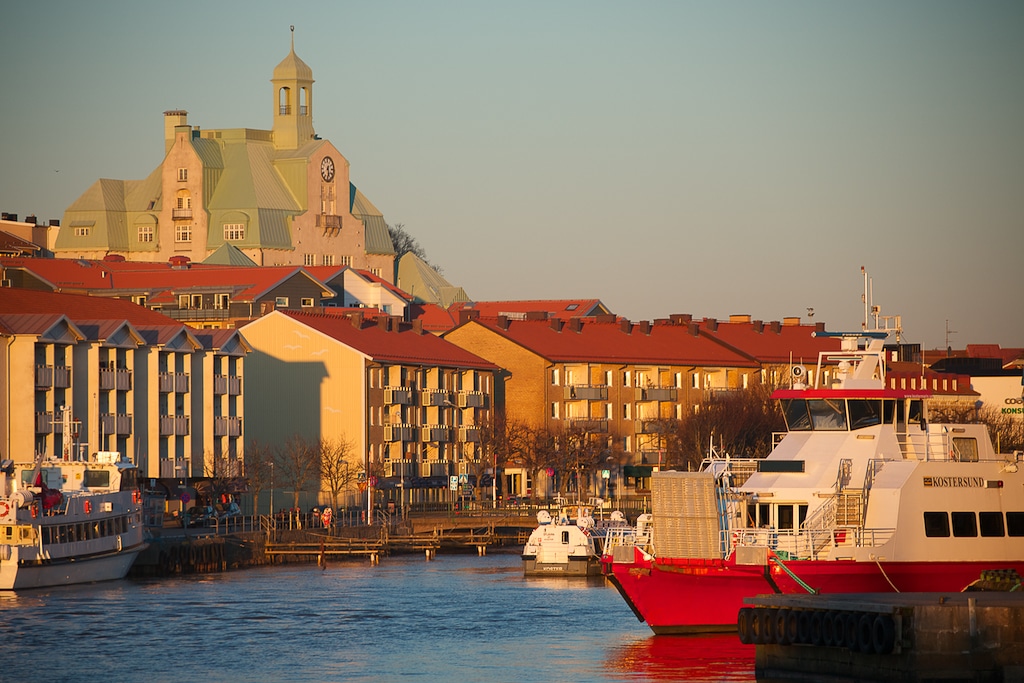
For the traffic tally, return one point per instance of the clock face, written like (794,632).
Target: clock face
(327,169)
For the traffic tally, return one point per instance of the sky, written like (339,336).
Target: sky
(711,158)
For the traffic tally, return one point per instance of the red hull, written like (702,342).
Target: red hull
(700,596)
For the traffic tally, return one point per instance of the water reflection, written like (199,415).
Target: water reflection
(720,657)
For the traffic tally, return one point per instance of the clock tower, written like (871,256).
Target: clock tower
(293,101)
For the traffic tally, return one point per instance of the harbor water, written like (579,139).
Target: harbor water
(457,618)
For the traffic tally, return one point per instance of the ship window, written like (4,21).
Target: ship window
(936,524)
(864,413)
(915,415)
(1015,523)
(785,516)
(965,524)
(565,537)
(797,418)
(96,479)
(991,524)
(965,449)
(828,415)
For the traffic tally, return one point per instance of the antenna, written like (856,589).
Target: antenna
(948,332)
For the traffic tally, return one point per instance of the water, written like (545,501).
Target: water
(458,618)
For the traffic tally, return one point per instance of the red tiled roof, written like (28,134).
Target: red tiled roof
(617,342)
(772,342)
(434,318)
(401,344)
(81,307)
(562,309)
(247,282)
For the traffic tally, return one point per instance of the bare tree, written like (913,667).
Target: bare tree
(338,468)
(298,465)
(259,458)
(493,449)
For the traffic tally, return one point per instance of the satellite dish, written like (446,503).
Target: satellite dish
(798,371)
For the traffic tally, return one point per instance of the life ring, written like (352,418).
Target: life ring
(5,508)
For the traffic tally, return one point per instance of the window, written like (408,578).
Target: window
(1015,523)
(182,175)
(626,378)
(554,413)
(220,300)
(145,233)
(309,260)
(554,377)
(965,449)
(328,259)
(625,410)
(140,300)
(183,301)
(936,524)
(376,272)
(281,302)
(183,233)
(82,231)
(696,380)
(991,524)
(234,231)
(965,524)
(607,378)
(346,261)
(307,302)
(197,301)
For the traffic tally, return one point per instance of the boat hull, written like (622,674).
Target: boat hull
(573,566)
(682,596)
(22,575)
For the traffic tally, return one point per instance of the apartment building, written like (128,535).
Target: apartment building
(84,374)
(411,404)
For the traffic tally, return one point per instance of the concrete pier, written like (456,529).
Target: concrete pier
(975,637)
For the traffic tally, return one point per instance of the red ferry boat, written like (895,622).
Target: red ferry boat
(862,494)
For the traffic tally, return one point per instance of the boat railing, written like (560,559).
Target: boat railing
(807,544)
(626,537)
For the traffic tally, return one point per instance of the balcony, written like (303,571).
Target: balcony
(44,376)
(328,222)
(434,468)
(655,394)
(181,214)
(116,423)
(115,378)
(435,434)
(469,434)
(196,314)
(176,382)
(229,425)
(174,425)
(472,399)
(401,468)
(653,426)
(61,376)
(227,384)
(435,398)
(44,423)
(399,432)
(398,396)
(592,425)
(173,469)
(585,392)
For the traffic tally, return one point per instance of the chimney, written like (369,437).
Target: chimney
(503,322)
(11,217)
(384,323)
(626,326)
(741,318)
(758,326)
(467,314)
(605,318)
(645,326)
(417,326)
(536,315)
(712,324)
(31,220)
(173,119)
(791,321)
(556,324)
(575,324)
(54,223)
(819,327)
(357,319)
(680,318)
(179,262)
(693,328)
(776,326)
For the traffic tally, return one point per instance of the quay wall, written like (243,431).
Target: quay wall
(973,637)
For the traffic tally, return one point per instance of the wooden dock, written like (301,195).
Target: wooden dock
(325,547)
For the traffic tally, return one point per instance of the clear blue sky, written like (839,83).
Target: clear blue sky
(665,157)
